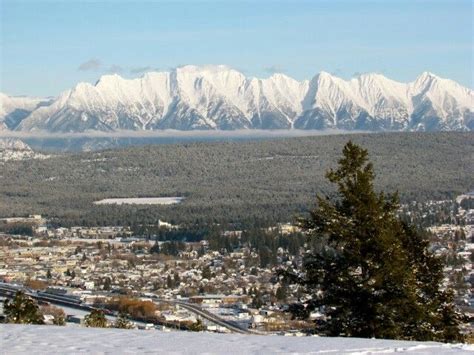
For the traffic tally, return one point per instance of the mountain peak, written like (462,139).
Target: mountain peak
(83,87)
(325,79)
(109,79)
(425,82)
(427,74)
(325,75)
(426,78)
(371,76)
(279,76)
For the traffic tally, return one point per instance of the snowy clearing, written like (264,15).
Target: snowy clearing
(18,339)
(140,201)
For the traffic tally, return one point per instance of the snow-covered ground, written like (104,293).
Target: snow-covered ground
(15,149)
(22,339)
(140,201)
(8,155)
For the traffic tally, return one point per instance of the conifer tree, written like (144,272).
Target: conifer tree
(373,275)
(197,327)
(281,293)
(169,282)
(22,310)
(95,319)
(155,249)
(206,272)
(122,322)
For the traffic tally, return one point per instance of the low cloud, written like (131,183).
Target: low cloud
(95,64)
(272,69)
(114,68)
(138,70)
(90,65)
(337,72)
(170,133)
(357,73)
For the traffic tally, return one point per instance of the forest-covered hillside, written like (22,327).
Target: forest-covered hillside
(265,181)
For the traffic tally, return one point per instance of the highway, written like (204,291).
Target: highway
(209,316)
(10,290)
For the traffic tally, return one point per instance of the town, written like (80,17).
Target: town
(223,282)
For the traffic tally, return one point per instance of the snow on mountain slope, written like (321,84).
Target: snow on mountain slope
(218,97)
(207,97)
(112,103)
(330,103)
(13,109)
(22,339)
(279,99)
(386,101)
(441,104)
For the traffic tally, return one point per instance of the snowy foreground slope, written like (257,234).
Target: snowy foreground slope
(19,339)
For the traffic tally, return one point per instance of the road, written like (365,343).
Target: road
(10,290)
(209,316)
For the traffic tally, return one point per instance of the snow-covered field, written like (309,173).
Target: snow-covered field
(140,201)
(22,339)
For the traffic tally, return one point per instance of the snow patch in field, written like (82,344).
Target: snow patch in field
(140,201)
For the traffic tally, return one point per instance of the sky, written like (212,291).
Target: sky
(47,47)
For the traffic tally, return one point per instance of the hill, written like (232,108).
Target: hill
(268,180)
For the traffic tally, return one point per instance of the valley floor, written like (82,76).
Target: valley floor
(20,339)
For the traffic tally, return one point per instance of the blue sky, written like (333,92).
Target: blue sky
(47,47)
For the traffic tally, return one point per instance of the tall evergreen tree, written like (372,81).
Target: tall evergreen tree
(373,275)
(155,249)
(169,282)
(206,272)
(281,293)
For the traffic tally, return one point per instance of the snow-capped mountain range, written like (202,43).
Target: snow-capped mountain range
(13,109)
(218,97)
